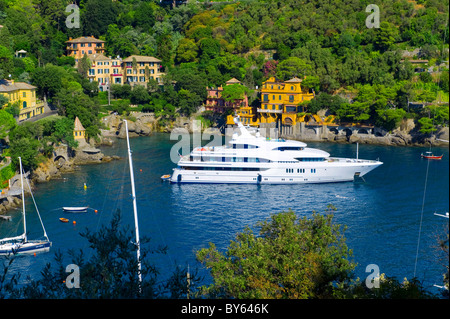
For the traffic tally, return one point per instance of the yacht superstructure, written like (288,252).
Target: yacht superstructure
(251,158)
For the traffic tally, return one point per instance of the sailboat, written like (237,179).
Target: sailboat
(21,244)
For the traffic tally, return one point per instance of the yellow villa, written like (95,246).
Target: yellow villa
(145,68)
(25,95)
(279,100)
(105,70)
(84,45)
(279,103)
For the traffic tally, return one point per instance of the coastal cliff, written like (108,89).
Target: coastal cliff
(406,134)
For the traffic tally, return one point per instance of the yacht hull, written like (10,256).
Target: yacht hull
(280,175)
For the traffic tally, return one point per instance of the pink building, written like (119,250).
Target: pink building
(215,102)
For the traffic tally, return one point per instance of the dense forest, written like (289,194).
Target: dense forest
(358,73)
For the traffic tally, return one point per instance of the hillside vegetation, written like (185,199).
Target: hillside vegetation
(359,73)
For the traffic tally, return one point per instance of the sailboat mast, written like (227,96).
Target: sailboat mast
(133,194)
(23,201)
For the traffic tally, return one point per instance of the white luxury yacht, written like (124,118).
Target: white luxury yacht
(251,158)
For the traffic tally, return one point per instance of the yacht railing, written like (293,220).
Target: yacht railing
(350,160)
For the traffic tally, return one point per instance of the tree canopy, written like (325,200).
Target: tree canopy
(290,257)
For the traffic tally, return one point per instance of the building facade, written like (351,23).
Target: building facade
(105,70)
(138,70)
(133,70)
(79,132)
(84,45)
(279,100)
(25,95)
(279,103)
(120,71)
(216,103)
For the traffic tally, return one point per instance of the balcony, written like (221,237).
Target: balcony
(269,111)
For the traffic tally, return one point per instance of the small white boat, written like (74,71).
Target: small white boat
(75,209)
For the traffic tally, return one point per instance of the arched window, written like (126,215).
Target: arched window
(24,104)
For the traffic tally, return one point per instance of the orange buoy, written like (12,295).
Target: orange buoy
(95,211)
(74,222)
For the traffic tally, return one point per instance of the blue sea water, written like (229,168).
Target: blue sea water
(383,214)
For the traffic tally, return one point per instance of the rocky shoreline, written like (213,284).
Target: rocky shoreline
(65,159)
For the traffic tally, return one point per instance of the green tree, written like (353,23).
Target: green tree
(48,79)
(311,82)
(6,62)
(385,36)
(426,125)
(293,67)
(97,16)
(79,104)
(188,101)
(390,118)
(144,16)
(7,122)
(425,77)
(354,112)
(186,51)
(139,95)
(63,131)
(3,100)
(209,49)
(325,101)
(291,257)
(84,65)
(444,81)
(234,92)
(27,149)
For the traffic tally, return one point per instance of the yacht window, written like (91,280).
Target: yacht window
(209,168)
(310,159)
(288,148)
